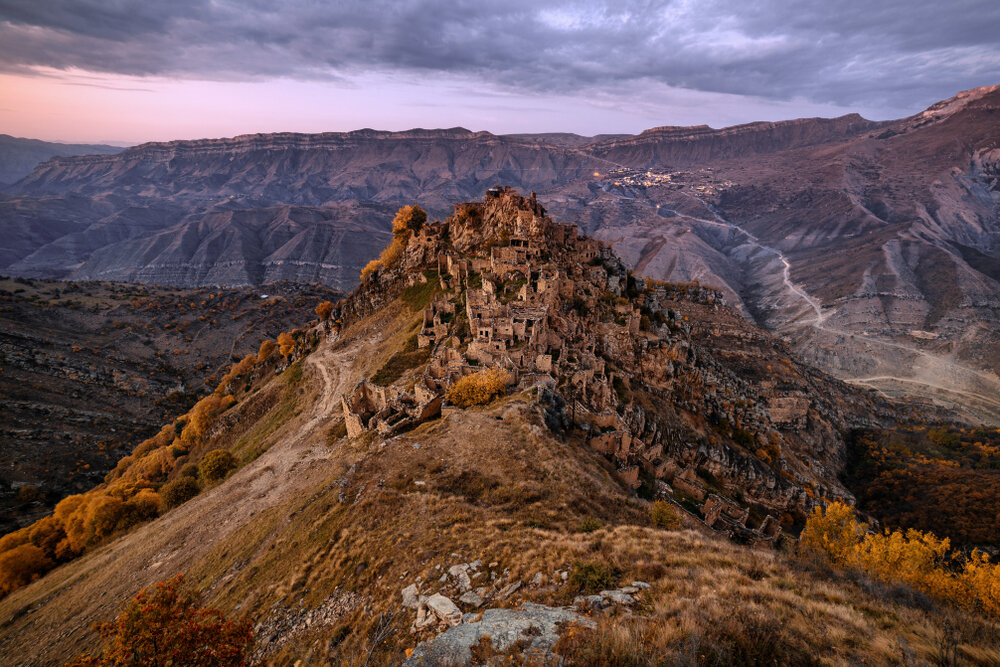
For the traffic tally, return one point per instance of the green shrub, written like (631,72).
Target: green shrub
(664,515)
(179,491)
(592,578)
(588,525)
(216,465)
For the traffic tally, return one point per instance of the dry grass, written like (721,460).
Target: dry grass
(317,516)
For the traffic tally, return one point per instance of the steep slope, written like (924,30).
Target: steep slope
(18,156)
(89,369)
(361,475)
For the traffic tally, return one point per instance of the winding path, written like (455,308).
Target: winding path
(991,381)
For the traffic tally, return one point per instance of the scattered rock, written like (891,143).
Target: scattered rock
(618,597)
(471,599)
(460,573)
(538,624)
(508,590)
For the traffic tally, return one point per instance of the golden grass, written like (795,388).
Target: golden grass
(319,516)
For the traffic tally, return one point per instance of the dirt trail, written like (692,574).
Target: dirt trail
(819,322)
(91,588)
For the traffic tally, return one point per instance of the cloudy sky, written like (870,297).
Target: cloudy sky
(138,70)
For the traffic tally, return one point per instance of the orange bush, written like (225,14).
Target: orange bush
(324,310)
(370,268)
(22,565)
(408,220)
(286,344)
(266,348)
(164,625)
(479,388)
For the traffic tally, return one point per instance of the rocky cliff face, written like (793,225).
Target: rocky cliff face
(663,379)
(871,246)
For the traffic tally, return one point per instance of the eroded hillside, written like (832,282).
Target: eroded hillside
(365,493)
(87,370)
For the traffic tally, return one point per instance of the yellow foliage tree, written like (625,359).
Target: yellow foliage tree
(20,566)
(286,344)
(266,348)
(920,560)
(479,388)
(324,310)
(408,219)
(833,533)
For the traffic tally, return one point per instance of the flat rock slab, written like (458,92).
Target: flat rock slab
(535,622)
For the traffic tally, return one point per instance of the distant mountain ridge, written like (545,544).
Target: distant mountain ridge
(873,246)
(18,156)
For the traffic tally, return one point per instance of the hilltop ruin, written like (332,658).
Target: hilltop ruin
(561,314)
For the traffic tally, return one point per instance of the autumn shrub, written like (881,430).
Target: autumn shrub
(324,310)
(918,559)
(164,625)
(216,464)
(22,565)
(242,368)
(479,388)
(179,491)
(408,219)
(664,515)
(286,344)
(370,268)
(143,506)
(266,348)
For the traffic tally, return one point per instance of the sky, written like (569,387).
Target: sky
(128,71)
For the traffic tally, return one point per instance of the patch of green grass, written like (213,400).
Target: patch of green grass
(419,295)
(292,374)
(255,441)
(588,578)
(409,357)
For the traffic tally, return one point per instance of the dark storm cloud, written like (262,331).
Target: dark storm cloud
(898,52)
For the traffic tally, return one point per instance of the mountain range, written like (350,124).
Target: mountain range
(19,156)
(872,247)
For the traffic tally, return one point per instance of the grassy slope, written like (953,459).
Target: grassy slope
(326,521)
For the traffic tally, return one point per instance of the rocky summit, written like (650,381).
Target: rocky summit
(503,447)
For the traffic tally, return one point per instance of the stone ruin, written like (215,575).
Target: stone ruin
(528,295)
(385,410)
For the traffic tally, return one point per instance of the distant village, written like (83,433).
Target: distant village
(700,181)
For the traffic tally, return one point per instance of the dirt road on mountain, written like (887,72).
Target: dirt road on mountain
(91,588)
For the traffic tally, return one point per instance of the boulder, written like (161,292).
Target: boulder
(411,596)
(444,609)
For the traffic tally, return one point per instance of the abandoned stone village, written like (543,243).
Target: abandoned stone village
(607,353)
